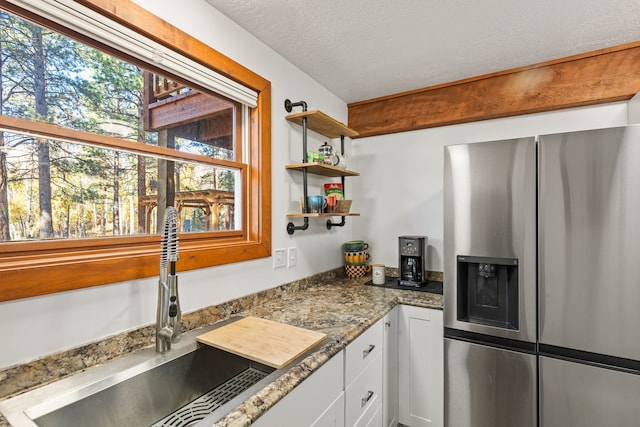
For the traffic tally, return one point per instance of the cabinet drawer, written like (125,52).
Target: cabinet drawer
(371,418)
(365,392)
(362,351)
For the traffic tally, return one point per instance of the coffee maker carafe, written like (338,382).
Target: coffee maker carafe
(413,261)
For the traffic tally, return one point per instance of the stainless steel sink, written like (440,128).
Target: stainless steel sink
(187,385)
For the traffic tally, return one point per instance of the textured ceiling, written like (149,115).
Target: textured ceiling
(363,49)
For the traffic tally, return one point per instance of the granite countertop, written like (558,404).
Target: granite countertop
(340,307)
(343,310)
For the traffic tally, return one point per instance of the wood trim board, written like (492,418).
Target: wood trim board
(606,75)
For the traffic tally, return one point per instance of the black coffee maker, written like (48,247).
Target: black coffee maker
(413,261)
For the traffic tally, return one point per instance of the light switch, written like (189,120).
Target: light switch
(292,257)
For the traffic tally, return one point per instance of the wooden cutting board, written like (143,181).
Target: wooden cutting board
(270,343)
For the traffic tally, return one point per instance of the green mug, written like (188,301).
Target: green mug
(356,246)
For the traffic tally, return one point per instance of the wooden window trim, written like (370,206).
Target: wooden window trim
(55,132)
(37,268)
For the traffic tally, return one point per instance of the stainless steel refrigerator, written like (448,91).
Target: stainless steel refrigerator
(490,284)
(562,350)
(589,278)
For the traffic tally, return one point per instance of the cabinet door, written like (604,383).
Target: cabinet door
(333,416)
(310,399)
(390,369)
(421,367)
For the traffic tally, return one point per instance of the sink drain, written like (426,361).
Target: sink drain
(196,411)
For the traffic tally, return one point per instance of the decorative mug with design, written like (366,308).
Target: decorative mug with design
(356,270)
(356,246)
(359,257)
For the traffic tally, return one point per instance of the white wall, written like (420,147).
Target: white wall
(399,191)
(35,327)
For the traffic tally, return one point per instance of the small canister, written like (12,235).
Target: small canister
(378,274)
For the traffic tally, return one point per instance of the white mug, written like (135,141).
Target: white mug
(377,271)
(340,160)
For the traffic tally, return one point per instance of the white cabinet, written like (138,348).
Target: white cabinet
(421,367)
(363,376)
(364,395)
(390,369)
(333,416)
(392,373)
(306,404)
(374,420)
(361,352)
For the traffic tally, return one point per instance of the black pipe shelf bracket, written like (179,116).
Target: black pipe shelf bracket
(291,227)
(335,224)
(331,128)
(288,105)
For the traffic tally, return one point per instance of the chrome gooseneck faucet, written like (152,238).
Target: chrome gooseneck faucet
(168,313)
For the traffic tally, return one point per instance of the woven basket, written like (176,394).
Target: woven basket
(343,206)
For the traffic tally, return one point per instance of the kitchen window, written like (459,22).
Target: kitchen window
(102,127)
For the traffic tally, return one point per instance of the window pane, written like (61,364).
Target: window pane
(60,190)
(49,77)
(97,192)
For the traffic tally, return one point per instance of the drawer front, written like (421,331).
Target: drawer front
(333,416)
(365,392)
(372,418)
(362,351)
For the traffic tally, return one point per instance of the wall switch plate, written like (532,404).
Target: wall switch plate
(292,257)
(279,258)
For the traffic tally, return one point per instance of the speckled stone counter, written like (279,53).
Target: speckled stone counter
(342,308)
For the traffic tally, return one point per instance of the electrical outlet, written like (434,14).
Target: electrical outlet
(279,258)
(292,257)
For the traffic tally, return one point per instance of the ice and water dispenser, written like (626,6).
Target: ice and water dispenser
(488,291)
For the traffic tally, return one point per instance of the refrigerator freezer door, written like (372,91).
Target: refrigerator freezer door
(573,394)
(489,387)
(490,211)
(589,208)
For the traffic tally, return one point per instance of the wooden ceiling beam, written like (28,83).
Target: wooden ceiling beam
(601,76)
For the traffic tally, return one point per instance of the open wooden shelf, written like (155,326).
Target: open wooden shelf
(329,127)
(325,125)
(318,215)
(322,169)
